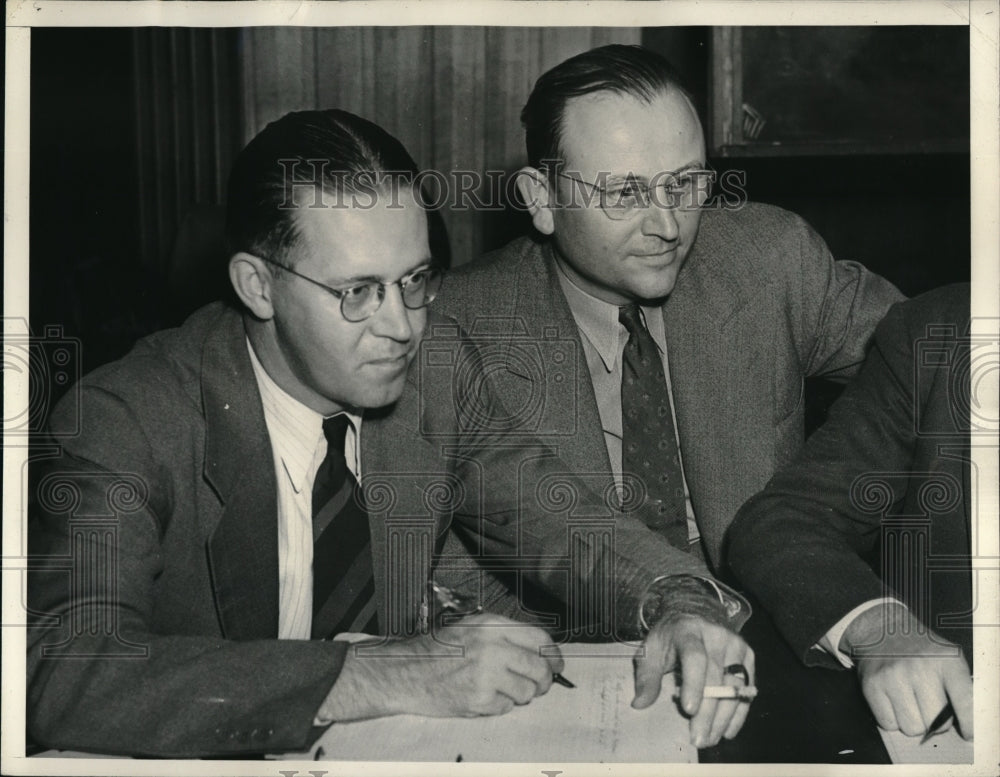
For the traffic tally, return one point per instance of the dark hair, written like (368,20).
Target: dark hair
(348,151)
(630,70)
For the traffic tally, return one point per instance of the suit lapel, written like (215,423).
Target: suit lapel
(243,548)
(405,534)
(712,357)
(570,403)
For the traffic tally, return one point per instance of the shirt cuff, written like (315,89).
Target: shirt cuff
(685,594)
(830,642)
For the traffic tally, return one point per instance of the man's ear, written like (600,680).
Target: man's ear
(533,186)
(252,280)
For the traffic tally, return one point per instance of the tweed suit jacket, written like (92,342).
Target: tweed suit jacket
(888,475)
(759,305)
(153,544)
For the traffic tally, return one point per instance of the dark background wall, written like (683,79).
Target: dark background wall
(85,273)
(132,132)
(878,163)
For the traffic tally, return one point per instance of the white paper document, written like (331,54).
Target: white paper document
(945,748)
(593,722)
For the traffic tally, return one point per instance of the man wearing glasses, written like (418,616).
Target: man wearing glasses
(695,322)
(201,555)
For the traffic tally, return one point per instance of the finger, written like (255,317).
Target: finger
(701,723)
(740,716)
(958,686)
(508,634)
(881,707)
(516,687)
(526,636)
(699,670)
(928,690)
(650,664)
(906,709)
(539,643)
(694,662)
(727,708)
(738,719)
(553,656)
(500,704)
(532,667)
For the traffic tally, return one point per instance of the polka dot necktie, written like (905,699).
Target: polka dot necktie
(343,584)
(649,442)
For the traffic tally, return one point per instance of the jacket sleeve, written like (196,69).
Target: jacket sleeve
(103,675)
(798,545)
(521,508)
(834,305)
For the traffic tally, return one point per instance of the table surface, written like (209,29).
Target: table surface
(801,715)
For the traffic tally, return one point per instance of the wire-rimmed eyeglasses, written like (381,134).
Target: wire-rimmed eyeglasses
(359,302)
(621,200)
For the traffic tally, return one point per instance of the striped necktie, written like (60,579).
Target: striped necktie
(343,584)
(649,442)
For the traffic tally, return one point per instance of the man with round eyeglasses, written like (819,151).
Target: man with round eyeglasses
(238,548)
(357,303)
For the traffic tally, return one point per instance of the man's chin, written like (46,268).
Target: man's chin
(385,397)
(655,291)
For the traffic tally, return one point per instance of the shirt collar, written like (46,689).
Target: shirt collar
(296,430)
(598,321)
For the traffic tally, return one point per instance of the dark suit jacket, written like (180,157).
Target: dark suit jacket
(889,470)
(154,593)
(758,306)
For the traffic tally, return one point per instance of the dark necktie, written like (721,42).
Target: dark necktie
(649,442)
(343,585)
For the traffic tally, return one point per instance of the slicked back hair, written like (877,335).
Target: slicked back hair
(345,148)
(618,68)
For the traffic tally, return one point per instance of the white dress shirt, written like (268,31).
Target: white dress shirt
(298,447)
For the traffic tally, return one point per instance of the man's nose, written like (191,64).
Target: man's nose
(392,319)
(660,220)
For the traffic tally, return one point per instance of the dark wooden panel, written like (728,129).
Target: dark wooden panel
(844,89)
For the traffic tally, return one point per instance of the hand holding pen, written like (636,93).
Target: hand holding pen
(449,602)
(914,681)
(479,664)
(940,724)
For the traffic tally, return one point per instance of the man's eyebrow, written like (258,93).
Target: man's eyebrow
(692,165)
(356,279)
